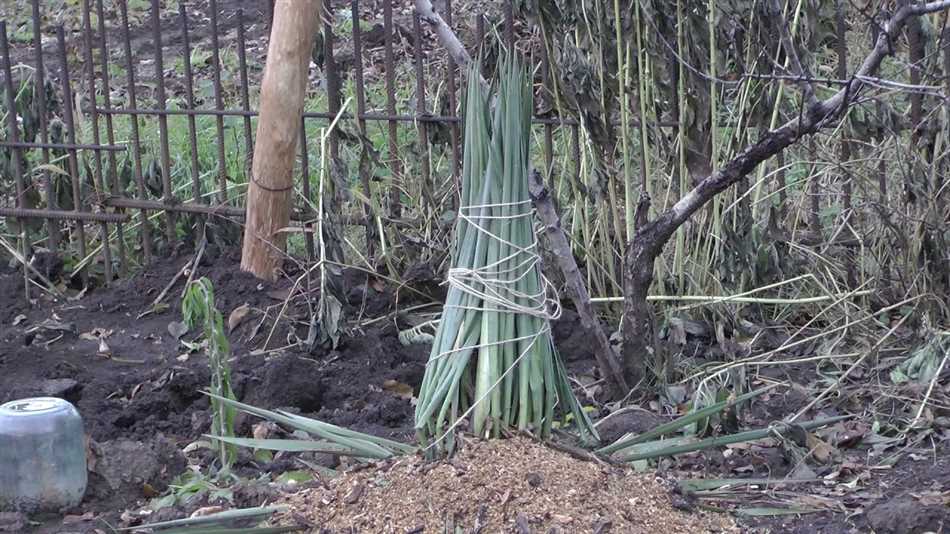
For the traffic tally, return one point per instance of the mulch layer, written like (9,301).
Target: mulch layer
(508,485)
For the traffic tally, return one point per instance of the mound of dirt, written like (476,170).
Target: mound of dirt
(510,485)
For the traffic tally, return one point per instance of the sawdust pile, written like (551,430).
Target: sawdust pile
(511,485)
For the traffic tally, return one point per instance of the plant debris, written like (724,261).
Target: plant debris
(512,484)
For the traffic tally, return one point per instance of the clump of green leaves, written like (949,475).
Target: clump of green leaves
(191,486)
(199,310)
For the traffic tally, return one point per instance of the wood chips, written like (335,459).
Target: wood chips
(511,485)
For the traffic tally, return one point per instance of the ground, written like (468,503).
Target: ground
(140,396)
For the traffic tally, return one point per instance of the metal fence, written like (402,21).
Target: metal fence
(110,65)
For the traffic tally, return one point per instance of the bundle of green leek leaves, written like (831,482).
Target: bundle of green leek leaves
(493,362)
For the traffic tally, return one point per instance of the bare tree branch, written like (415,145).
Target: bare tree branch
(446,36)
(773,142)
(639,335)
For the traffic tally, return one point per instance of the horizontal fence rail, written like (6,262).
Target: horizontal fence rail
(82,148)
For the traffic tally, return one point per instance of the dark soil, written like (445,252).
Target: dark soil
(146,386)
(142,402)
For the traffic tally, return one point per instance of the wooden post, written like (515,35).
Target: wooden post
(278,129)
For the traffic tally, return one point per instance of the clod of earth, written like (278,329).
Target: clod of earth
(127,466)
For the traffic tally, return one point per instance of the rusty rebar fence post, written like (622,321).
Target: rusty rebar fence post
(365,166)
(218,103)
(145,232)
(546,92)
(450,75)
(72,159)
(245,94)
(307,194)
(168,195)
(428,195)
(97,177)
(190,103)
(113,178)
(39,76)
(14,135)
(509,25)
(332,79)
(395,163)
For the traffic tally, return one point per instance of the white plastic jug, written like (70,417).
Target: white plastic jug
(42,455)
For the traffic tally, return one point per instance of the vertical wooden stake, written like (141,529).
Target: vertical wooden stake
(278,129)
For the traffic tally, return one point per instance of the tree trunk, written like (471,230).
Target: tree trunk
(605,355)
(282,97)
(639,326)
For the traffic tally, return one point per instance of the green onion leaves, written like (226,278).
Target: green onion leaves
(493,361)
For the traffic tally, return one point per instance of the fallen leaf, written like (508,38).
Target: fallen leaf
(820,450)
(183,357)
(70,519)
(354,495)
(850,435)
(207,510)
(294,477)
(104,349)
(802,472)
(54,324)
(155,308)
(19,319)
(95,334)
(933,498)
(398,388)
(262,430)
(148,491)
(92,459)
(237,316)
(279,294)
(177,329)
(677,333)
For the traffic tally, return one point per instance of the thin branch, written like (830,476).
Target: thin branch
(446,36)
(791,55)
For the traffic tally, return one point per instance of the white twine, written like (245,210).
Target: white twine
(494,284)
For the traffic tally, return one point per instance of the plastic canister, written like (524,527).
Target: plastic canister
(42,455)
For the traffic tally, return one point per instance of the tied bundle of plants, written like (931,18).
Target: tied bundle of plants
(493,361)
